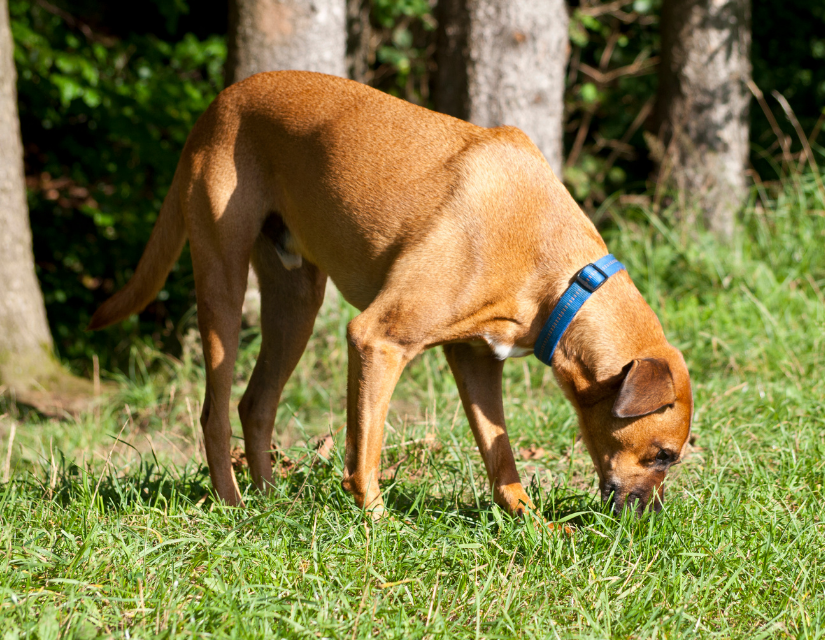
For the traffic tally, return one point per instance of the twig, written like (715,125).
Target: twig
(780,136)
(575,59)
(388,585)
(609,143)
(7,466)
(607,54)
(809,154)
(74,23)
(817,128)
(634,126)
(580,138)
(106,465)
(760,188)
(600,10)
(393,469)
(638,67)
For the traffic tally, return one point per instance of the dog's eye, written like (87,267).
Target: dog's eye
(664,456)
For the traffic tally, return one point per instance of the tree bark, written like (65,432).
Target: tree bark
(268,35)
(25,339)
(702,105)
(503,62)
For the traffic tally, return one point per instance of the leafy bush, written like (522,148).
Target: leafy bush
(403,42)
(788,57)
(611,85)
(104,119)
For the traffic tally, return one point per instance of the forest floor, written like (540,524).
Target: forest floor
(109,528)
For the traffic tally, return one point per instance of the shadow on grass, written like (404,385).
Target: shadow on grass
(151,484)
(563,504)
(68,483)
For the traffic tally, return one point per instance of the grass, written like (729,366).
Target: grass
(109,527)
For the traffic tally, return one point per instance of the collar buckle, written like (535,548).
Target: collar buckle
(591,277)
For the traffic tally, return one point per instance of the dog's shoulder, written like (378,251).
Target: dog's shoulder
(500,167)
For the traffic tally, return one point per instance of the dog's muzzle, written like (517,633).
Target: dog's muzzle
(638,499)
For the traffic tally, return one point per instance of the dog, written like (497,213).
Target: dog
(441,233)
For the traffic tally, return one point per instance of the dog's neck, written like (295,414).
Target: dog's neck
(606,332)
(614,327)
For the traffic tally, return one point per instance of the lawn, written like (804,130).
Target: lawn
(110,529)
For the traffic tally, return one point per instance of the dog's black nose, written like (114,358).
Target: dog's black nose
(648,499)
(638,500)
(609,495)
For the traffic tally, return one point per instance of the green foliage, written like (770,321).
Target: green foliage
(388,12)
(611,85)
(108,525)
(403,59)
(788,57)
(104,120)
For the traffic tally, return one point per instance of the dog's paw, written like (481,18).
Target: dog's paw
(563,528)
(377,512)
(542,524)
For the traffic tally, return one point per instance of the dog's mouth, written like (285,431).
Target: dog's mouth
(639,500)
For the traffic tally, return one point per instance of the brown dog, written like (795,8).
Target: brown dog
(441,233)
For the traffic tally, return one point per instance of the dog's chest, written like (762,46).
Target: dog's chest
(501,349)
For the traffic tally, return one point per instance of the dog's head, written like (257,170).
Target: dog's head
(638,427)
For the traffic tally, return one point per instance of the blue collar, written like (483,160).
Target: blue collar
(585,283)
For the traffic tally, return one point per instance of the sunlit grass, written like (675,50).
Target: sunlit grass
(109,526)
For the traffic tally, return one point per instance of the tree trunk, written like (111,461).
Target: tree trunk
(28,368)
(702,105)
(271,35)
(25,340)
(503,62)
(268,35)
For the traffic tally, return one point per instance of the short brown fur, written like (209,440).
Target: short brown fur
(441,233)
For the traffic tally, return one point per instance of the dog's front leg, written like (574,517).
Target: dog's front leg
(478,377)
(375,364)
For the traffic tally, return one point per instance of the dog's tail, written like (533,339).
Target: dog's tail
(159,256)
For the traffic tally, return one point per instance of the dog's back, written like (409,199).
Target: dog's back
(356,167)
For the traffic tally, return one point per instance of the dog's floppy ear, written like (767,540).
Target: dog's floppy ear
(647,387)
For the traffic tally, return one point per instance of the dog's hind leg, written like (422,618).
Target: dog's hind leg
(290,300)
(478,377)
(221,245)
(219,320)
